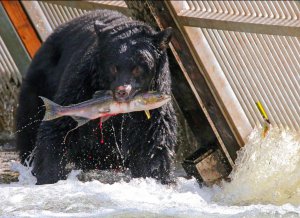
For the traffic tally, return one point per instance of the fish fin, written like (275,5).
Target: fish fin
(51,112)
(147,112)
(101,93)
(80,120)
(71,130)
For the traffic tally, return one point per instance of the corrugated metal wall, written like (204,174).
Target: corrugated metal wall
(13,63)
(58,14)
(47,15)
(262,68)
(10,79)
(249,51)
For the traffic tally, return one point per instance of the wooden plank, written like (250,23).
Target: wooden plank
(218,83)
(22,25)
(13,42)
(38,18)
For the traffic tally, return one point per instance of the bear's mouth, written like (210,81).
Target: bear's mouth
(123,93)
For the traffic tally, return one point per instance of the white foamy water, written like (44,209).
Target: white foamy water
(267,170)
(265,183)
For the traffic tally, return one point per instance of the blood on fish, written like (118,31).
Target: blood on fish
(101,131)
(101,128)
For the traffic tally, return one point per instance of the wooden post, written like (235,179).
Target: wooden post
(22,25)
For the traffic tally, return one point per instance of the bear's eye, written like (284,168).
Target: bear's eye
(137,71)
(113,70)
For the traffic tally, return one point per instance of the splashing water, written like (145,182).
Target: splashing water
(267,170)
(265,183)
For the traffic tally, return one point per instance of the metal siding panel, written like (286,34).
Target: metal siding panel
(13,42)
(261,67)
(55,13)
(281,17)
(10,79)
(257,65)
(112,3)
(58,14)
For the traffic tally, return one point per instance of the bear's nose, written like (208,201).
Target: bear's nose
(122,92)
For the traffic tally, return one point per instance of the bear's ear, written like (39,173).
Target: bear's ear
(163,38)
(99,26)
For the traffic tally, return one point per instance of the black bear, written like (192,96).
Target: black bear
(102,50)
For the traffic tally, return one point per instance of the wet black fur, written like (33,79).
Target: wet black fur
(71,65)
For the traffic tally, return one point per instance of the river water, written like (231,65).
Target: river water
(264,183)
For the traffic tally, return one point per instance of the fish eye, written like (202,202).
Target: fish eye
(159,96)
(141,101)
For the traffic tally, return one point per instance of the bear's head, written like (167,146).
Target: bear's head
(130,54)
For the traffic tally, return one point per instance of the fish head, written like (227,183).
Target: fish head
(150,101)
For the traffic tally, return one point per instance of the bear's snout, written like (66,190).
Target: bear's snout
(122,92)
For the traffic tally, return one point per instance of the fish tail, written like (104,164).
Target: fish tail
(51,112)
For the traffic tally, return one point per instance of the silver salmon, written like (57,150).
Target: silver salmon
(104,107)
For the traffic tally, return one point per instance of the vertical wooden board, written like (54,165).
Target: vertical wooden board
(38,18)
(197,81)
(22,25)
(13,42)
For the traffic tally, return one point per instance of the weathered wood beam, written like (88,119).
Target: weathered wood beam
(22,25)
(38,18)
